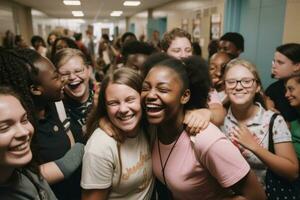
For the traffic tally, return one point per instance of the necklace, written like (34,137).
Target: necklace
(163,166)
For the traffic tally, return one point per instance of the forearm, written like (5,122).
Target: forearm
(218,113)
(51,172)
(285,167)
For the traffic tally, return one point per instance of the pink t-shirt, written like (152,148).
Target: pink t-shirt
(221,165)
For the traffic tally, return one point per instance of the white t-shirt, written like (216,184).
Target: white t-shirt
(101,166)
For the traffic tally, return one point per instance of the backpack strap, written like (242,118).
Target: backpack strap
(63,118)
(271,124)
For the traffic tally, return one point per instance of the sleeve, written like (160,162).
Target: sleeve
(221,158)
(281,132)
(98,168)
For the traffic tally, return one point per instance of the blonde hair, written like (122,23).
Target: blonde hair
(64,55)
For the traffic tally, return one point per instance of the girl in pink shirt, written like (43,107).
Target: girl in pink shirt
(206,166)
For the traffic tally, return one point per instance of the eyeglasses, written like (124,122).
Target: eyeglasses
(245,82)
(76,72)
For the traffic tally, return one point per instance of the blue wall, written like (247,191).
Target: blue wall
(261,22)
(159,24)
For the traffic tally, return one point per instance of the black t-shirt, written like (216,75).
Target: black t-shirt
(77,113)
(52,144)
(276,91)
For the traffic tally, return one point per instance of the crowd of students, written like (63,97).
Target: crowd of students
(145,121)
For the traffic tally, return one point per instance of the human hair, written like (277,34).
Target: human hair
(291,51)
(136,47)
(18,39)
(153,60)
(194,75)
(212,47)
(259,96)
(197,51)
(70,43)
(15,74)
(126,35)
(64,55)
(105,37)
(236,38)
(48,38)
(168,37)
(30,57)
(77,36)
(295,76)
(37,39)
(123,76)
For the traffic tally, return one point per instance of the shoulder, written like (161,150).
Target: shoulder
(100,141)
(208,137)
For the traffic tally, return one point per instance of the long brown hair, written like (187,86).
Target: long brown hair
(124,76)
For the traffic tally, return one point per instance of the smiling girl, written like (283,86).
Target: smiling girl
(247,124)
(207,166)
(19,177)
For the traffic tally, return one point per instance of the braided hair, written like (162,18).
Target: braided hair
(14,73)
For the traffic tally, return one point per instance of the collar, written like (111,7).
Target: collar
(256,120)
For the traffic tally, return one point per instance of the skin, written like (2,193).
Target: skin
(136,61)
(199,119)
(180,48)
(292,92)
(283,67)
(284,162)
(77,75)
(50,85)
(124,112)
(161,92)
(15,136)
(229,47)
(216,63)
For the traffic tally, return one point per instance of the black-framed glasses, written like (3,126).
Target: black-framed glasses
(245,82)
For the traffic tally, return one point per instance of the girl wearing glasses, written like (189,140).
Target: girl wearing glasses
(247,124)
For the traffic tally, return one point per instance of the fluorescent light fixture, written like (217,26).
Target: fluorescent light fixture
(116,13)
(77,13)
(72,3)
(131,3)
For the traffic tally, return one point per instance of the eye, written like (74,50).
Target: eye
(112,103)
(4,128)
(145,87)
(163,89)
(130,99)
(24,119)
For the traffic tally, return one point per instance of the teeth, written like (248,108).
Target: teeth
(74,83)
(152,106)
(20,147)
(124,118)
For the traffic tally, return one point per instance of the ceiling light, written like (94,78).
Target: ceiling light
(72,3)
(131,3)
(116,13)
(77,13)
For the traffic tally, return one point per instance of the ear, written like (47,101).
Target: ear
(258,89)
(36,90)
(297,67)
(185,96)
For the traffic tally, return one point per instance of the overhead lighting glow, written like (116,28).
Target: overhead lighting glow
(116,13)
(131,3)
(77,13)
(72,3)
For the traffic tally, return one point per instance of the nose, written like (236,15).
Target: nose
(22,131)
(123,107)
(287,94)
(151,95)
